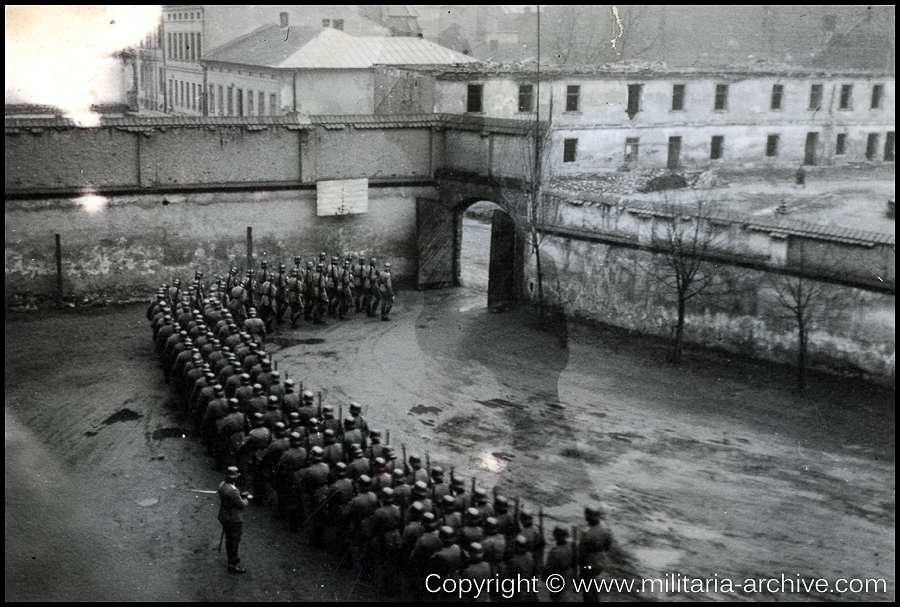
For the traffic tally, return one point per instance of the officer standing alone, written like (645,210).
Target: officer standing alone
(233,502)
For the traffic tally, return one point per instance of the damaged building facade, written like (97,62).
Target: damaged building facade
(609,119)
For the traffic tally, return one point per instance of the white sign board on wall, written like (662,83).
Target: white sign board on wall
(342,197)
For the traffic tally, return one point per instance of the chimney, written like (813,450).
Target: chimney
(283,19)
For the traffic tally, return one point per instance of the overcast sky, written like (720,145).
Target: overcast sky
(60,55)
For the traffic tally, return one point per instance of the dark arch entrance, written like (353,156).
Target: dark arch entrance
(488,252)
(440,240)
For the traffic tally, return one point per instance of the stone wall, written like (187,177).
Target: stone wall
(127,245)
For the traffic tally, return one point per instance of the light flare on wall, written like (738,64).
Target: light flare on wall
(92,203)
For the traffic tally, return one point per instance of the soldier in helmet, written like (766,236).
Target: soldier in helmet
(282,299)
(291,462)
(373,282)
(532,535)
(308,408)
(357,271)
(384,543)
(520,565)
(333,280)
(361,423)
(560,561)
(476,569)
(361,508)
(313,481)
(231,503)
(309,287)
(386,292)
(494,544)
(294,289)
(320,292)
(249,454)
(345,286)
(290,402)
(593,550)
(255,326)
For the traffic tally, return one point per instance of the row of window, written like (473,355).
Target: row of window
(475,94)
(223,101)
(182,16)
(717,148)
(183,46)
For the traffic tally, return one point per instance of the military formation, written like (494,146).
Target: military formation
(330,474)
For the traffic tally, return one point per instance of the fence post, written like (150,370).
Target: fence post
(249,247)
(59,280)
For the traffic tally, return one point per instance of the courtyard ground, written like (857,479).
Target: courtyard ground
(714,469)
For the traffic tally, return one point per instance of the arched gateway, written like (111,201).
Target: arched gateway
(439,240)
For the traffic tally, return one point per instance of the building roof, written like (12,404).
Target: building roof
(327,48)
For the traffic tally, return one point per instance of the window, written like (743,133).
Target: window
(871,146)
(673,161)
(840,146)
(193,96)
(631,150)
(777,95)
(772,146)
(181,95)
(169,40)
(191,47)
(721,97)
(211,100)
(634,100)
(889,146)
(250,99)
(846,97)
(197,42)
(677,97)
(221,101)
(273,104)
(171,93)
(526,98)
(326,22)
(877,95)
(573,92)
(339,24)
(473,98)
(570,146)
(262,103)
(815,97)
(230,101)
(240,102)
(715,147)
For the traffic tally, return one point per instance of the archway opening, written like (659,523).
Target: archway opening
(488,253)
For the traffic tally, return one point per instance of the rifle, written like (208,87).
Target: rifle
(274,365)
(341,415)
(320,405)
(472,494)
(541,520)
(387,438)
(428,467)
(405,463)
(516,514)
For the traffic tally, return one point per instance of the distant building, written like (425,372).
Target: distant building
(607,118)
(401,19)
(168,72)
(282,69)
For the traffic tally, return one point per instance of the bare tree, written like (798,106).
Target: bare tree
(805,301)
(685,242)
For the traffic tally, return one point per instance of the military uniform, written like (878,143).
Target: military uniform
(231,505)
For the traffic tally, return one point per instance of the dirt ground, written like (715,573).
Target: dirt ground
(711,468)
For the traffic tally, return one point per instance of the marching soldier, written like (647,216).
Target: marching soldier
(346,289)
(560,561)
(295,297)
(373,288)
(249,455)
(282,294)
(320,293)
(255,326)
(333,280)
(386,291)
(359,293)
(593,548)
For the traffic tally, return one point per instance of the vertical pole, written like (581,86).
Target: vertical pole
(59,284)
(249,247)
